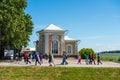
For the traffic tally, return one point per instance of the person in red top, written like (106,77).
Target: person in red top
(90,58)
(79,59)
(93,58)
(25,56)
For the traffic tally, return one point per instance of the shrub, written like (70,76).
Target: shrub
(119,59)
(84,51)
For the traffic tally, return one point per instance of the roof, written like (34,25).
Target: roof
(28,49)
(53,27)
(69,39)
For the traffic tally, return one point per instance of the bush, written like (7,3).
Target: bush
(119,59)
(84,51)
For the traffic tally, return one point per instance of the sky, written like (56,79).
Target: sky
(95,22)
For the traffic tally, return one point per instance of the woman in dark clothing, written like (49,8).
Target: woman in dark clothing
(98,59)
(51,62)
(27,58)
(64,58)
(36,60)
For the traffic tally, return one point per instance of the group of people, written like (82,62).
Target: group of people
(51,59)
(90,58)
(38,58)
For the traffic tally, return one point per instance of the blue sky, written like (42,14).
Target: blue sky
(95,22)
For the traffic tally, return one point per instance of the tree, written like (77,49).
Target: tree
(86,51)
(15,26)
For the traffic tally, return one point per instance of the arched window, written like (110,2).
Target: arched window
(55,46)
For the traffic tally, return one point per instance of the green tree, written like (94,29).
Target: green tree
(84,51)
(15,25)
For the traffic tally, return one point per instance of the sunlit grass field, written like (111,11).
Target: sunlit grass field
(111,58)
(58,73)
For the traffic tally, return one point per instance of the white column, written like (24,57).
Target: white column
(76,47)
(46,43)
(37,47)
(63,45)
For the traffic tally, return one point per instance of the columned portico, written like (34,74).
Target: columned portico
(52,40)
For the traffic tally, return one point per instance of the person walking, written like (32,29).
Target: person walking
(93,58)
(41,58)
(33,56)
(90,58)
(27,58)
(36,60)
(64,61)
(17,58)
(86,58)
(51,59)
(98,59)
(79,59)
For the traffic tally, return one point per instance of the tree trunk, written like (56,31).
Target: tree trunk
(1,50)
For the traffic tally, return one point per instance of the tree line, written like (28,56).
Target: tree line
(115,51)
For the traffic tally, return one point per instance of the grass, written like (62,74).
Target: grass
(111,58)
(58,73)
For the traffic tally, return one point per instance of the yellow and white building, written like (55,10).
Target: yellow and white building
(53,39)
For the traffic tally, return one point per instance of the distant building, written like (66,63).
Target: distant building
(52,39)
(30,50)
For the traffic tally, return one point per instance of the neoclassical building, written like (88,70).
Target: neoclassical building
(53,39)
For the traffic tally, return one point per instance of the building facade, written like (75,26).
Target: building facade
(52,39)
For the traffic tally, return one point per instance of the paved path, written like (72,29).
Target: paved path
(57,61)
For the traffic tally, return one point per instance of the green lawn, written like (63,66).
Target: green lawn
(111,58)
(58,73)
